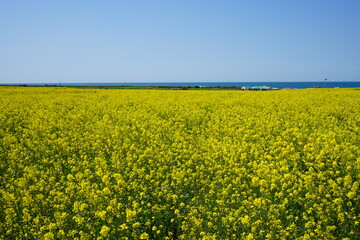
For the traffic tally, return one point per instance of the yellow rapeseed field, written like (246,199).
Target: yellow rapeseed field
(195,164)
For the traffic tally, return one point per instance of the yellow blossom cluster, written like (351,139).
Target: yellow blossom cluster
(195,164)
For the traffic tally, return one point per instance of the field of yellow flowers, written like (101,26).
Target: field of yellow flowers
(162,164)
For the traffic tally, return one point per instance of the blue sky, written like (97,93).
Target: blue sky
(166,41)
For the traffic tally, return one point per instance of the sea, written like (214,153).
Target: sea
(280,85)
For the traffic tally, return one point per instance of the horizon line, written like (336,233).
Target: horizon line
(128,82)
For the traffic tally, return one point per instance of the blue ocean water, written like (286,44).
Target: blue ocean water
(280,85)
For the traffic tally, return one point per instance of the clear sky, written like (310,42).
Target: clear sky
(165,41)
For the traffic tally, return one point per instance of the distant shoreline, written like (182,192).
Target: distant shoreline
(254,88)
(199,85)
